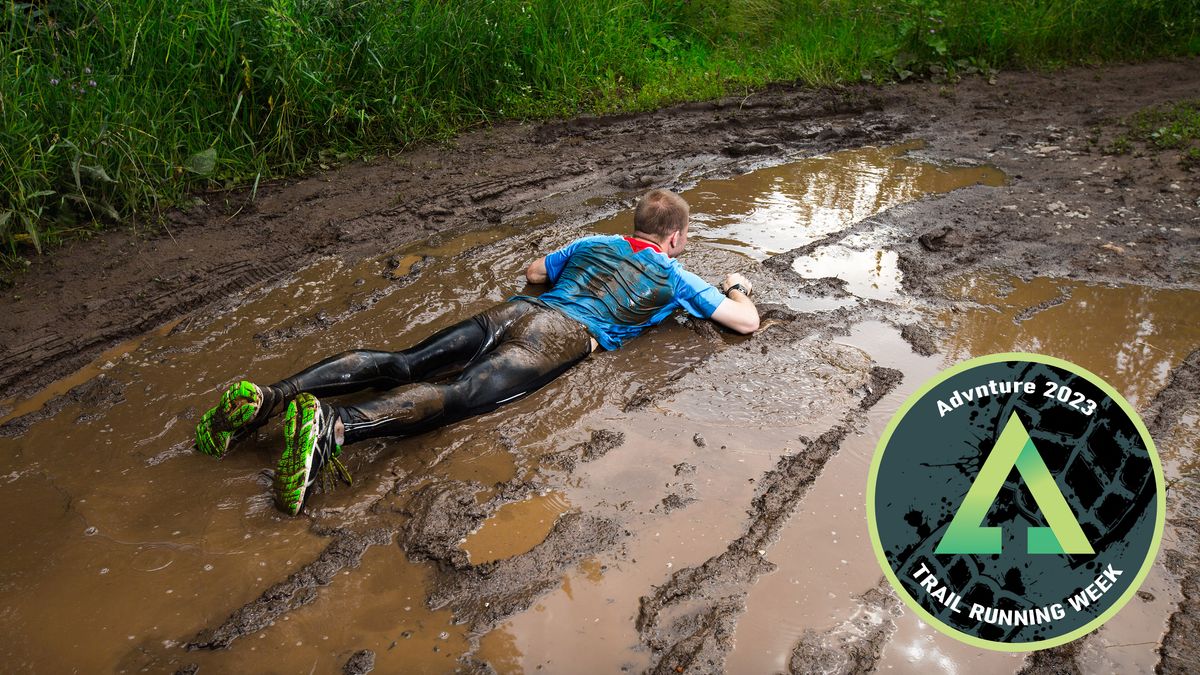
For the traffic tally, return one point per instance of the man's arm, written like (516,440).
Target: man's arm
(536,272)
(737,311)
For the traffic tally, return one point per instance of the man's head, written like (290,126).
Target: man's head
(662,216)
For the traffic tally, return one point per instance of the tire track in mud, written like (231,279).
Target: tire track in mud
(299,589)
(688,622)
(1180,648)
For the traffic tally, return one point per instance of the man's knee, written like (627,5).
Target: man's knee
(476,391)
(379,367)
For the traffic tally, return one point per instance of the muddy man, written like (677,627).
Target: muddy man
(605,290)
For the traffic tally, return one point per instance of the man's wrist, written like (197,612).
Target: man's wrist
(737,287)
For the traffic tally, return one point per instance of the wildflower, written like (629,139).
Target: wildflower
(91,83)
(54,81)
(932,31)
(87,71)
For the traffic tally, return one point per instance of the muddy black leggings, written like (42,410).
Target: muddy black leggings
(502,354)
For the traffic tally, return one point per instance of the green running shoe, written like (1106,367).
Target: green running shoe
(310,453)
(237,412)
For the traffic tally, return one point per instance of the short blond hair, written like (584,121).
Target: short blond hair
(660,212)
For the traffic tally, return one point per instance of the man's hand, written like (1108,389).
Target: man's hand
(737,310)
(734,279)
(536,272)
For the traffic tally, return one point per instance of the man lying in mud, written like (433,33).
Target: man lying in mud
(605,290)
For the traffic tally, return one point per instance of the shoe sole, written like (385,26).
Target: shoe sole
(239,404)
(300,424)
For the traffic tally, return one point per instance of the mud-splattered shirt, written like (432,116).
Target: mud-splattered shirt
(620,286)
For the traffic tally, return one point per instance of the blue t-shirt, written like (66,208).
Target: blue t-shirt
(619,287)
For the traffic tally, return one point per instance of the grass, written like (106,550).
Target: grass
(111,110)
(1175,126)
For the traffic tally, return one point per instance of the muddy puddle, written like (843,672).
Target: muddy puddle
(515,528)
(777,209)
(124,543)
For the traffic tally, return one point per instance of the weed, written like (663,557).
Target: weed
(1174,126)
(1121,145)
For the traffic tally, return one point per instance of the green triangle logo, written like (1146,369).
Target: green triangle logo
(966,534)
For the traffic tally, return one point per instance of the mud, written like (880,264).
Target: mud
(919,338)
(856,645)
(1181,645)
(966,220)
(515,527)
(602,441)
(361,663)
(483,596)
(706,600)
(96,393)
(298,590)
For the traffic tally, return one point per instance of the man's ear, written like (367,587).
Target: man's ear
(673,240)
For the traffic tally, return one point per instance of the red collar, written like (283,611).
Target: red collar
(639,244)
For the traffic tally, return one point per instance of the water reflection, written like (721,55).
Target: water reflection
(1132,336)
(777,209)
(871,273)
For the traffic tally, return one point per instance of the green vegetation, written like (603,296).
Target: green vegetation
(1169,127)
(114,107)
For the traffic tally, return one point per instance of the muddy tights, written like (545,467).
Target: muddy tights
(500,355)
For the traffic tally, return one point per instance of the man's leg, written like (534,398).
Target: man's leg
(449,348)
(246,406)
(537,348)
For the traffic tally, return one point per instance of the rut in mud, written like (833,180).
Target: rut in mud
(626,483)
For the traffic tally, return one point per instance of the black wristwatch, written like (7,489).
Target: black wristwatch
(738,287)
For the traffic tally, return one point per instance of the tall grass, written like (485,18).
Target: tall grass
(111,108)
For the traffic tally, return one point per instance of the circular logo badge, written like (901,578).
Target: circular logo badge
(1016,502)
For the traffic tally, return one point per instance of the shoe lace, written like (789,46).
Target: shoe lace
(329,467)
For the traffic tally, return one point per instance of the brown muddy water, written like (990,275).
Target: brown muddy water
(122,543)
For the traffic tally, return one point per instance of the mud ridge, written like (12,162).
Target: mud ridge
(919,338)
(97,394)
(1059,660)
(601,442)
(1064,294)
(688,620)
(1180,649)
(853,646)
(360,663)
(482,595)
(299,589)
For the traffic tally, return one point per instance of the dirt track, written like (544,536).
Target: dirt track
(1068,212)
(74,304)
